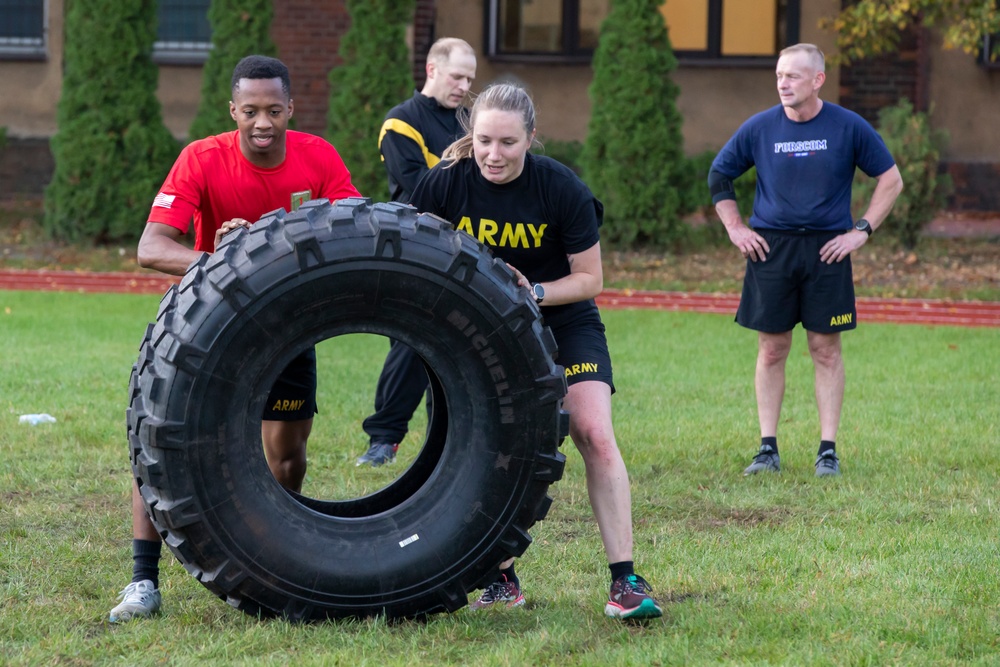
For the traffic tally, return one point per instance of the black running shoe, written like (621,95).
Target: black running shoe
(766,460)
(827,464)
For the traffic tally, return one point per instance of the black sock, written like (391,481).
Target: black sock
(826,446)
(621,569)
(509,573)
(146,561)
(771,441)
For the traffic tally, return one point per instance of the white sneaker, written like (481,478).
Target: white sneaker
(138,600)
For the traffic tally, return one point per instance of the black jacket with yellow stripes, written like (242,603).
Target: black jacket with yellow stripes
(411,141)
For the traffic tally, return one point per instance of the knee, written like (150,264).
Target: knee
(825,352)
(285,449)
(289,469)
(826,356)
(773,353)
(293,455)
(596,441)
(292,458)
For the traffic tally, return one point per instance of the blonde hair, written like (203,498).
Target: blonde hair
(495,97)
(816,58)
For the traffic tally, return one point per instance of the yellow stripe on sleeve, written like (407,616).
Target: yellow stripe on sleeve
(404,129)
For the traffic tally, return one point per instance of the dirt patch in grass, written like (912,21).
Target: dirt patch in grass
(720,517)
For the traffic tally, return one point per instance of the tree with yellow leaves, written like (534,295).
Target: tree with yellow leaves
(873,27)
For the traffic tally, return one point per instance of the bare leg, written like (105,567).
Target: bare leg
(829,364)
(589,405)
(142,527)
(285,449)
(769,379)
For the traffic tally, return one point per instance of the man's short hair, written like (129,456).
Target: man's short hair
(816,58)
(262,67)
(441,49)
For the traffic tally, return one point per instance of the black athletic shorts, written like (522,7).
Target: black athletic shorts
(583,350)
(293,396)
(794,286)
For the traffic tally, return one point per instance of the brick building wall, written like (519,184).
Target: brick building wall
(307,34)
(872,84)
(975,186)
(26,167)
(869,85)
(423,36)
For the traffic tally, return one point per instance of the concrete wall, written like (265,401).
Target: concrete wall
(965,101)
(29,90)
(559,91)
(179,91)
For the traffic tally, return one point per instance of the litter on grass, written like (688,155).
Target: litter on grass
(35,420)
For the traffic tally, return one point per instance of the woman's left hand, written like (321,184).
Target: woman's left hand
(521,279)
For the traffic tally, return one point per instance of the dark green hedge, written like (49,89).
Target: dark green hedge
(112,150)
(917,147)
(633,157)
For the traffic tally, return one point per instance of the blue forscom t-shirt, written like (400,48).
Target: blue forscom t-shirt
(804,170)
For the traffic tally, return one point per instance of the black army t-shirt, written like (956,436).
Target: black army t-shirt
(532,222)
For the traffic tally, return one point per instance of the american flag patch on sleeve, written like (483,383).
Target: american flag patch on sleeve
(164,201)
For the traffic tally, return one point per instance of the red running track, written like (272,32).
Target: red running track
(905,311)
(870,309)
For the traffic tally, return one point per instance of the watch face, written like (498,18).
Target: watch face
(538,291)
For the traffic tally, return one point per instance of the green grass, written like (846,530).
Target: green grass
(893,563)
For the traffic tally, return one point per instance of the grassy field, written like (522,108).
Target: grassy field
(894,563)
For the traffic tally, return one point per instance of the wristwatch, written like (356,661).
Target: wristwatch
(538,292)
(862,225)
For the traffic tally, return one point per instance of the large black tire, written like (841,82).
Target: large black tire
(241,314)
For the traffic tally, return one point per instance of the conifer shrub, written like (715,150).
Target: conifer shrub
(693,184)
(916,147)
(239,28)
(633,156)
(746,190)
(111,150)
(566,152)
(374,77)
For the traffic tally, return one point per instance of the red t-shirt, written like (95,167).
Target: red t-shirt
(212,182)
